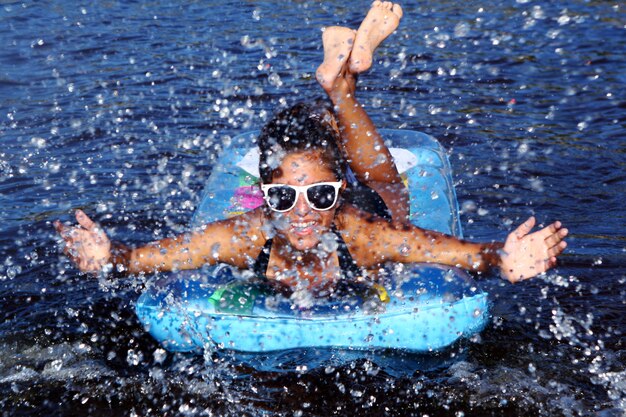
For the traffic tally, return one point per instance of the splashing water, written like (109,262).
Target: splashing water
(123,111)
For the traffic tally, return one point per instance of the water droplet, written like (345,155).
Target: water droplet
(461,30)
(404,249)
(563,19)
(160,355)
(134,358)
(39,143)
(380,159)
(11,272)
(468,206)
(328,242)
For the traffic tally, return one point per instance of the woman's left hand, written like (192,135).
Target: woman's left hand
(526,255)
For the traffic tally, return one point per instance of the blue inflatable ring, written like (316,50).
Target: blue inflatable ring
(420,308)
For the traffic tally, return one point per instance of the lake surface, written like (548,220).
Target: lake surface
(119,108)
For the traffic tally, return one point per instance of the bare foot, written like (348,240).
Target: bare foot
(338,43)
(382,19)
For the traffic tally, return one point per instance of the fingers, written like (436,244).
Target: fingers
(555,238)
(84,220)
(556,250)
(533,253)
(554,242)
(85,244)
(66,234)
(550,263)
(550,230)
(69,245)
(524,228)
(61,229)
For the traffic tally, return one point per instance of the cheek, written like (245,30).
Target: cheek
(327,217)
(280,221)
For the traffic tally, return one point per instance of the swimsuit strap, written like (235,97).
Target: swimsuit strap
(348,266)
(262,261)
(364,197)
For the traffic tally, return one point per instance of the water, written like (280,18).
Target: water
(119,108)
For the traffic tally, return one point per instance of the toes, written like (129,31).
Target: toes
(397,10)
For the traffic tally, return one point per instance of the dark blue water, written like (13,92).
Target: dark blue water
(119,108)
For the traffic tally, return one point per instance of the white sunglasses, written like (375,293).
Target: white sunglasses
(320,196)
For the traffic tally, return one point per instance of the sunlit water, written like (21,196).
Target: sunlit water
(120,109)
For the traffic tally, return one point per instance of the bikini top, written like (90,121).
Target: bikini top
(349,269)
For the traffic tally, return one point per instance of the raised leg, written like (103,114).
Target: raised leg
(381,21)
(367,153)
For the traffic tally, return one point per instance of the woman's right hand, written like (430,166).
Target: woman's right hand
(86,244)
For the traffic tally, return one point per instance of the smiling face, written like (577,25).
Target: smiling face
(302,227)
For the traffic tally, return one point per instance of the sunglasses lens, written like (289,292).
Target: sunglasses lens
(322,197)
(281,198)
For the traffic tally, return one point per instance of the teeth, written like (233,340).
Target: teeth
(303,224)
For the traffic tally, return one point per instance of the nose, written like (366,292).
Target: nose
(302,207)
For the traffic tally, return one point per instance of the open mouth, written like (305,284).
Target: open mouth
(303,228)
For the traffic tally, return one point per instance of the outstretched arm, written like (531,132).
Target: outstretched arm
(230,241)
(523,255)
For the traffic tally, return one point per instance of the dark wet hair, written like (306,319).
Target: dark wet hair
(302,127)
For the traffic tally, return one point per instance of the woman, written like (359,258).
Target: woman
(307,235)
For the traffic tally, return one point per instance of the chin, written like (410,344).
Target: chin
(305,240)
(304,244)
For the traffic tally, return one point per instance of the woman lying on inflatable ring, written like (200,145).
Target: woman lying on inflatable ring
(307,236)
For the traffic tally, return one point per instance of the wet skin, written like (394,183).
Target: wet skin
(302,227)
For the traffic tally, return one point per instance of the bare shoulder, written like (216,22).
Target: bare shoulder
(362,232)
(353,222)
(369,237)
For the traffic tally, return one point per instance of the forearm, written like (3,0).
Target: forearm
(475,257)
(229,241)
(165,255)
(407,243)
(449,250)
